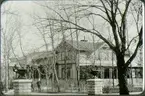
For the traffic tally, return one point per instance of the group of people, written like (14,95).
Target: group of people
(38,83)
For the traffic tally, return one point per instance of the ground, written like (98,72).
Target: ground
(11,92)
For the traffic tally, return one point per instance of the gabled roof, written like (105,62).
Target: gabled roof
(84,45)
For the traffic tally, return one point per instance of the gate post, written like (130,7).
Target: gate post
(22,86)
(95,86)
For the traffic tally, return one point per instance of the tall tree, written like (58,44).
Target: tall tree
(111,12)
(48,36)
(116,15)
(9,27)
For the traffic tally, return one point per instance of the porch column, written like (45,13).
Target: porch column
(116,73)
(102,71)
(111,77)
(74,74)
(133,73)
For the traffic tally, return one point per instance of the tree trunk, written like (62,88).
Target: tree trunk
(56,78)
(6,74)
(46,79)
(122,76)
(54,55)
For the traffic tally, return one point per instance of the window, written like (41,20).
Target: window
(59,56)
(69,55)
(66,72)
(62,56)
(107,56)
(72,55)
(106,73)
(133,72)
(66,54)
(129,73)
(85,72)
(69,73)
(138,73)
(63,73)
(114,73)
(98,57)
(102,55)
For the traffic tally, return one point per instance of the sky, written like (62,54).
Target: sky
(31,38)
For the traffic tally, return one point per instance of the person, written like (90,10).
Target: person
(1,89)
(32,86)
(15,69)
(39,85)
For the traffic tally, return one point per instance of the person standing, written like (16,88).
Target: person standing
(1,89)
(32,86)
(39,85)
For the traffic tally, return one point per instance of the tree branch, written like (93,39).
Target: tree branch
(106,11)
(131,42)
(136,49)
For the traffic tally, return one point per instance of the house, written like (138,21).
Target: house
(92,56)
(71,54)
(76,59)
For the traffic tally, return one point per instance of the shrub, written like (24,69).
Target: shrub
(106,89)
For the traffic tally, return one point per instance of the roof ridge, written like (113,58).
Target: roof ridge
(85,45)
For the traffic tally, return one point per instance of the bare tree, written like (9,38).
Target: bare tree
(8,30)
(52,33)
(48,34)
(117,18)
(43,35)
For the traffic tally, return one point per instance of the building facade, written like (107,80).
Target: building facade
(90,56)
(75,60)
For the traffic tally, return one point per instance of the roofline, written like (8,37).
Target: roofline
(78,41)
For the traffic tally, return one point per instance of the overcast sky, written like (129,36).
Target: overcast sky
(31,38)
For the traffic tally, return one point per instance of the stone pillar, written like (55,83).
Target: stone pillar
(22,86)
(95,86)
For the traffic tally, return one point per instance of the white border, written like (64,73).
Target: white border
(143,45)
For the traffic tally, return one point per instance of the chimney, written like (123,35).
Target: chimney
(84,40)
